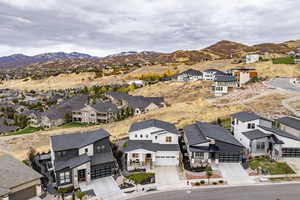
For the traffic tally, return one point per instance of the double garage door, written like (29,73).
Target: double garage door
(167,159)
(225,157)
(101,172)
(25,194)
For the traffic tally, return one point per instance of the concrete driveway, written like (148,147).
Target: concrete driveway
(235,174)
(106,187)
(294,163)
(168,177)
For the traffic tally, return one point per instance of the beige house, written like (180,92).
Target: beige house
(18,181)
(101,112)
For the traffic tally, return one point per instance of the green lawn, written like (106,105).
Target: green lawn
(138,178)
(25,131)
(287,60)
(73,125)
(273,168)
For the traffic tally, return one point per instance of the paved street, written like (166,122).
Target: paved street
(283,83)
(274,192)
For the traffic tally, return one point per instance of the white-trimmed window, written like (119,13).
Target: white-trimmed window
(199,155)
(260,146)
(64,177)
(135,155)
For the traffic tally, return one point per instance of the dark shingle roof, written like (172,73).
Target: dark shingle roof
(202,129)
(102,158)
(148,145)
(224,78)
(192,72)
(194,135)
(77,140)
(255,134)
(281,133)
(153,123)
(14,173)
(290,121)
(247,116)
(71,163)
(105,107)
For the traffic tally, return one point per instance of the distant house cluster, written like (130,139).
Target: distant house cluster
(224,82)
(19,109)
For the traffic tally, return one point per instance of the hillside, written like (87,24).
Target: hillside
(20,60)
(227,49)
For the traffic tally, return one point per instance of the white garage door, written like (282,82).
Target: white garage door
(167,159)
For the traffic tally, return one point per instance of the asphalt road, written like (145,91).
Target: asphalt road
(283,83)
(261,192)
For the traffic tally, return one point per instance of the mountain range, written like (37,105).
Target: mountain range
(220,50)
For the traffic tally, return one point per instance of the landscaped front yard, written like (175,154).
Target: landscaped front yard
(270,167)
(141,178)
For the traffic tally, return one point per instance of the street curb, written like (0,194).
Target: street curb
(211,187)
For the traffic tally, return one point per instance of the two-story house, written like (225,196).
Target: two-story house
(260,137)
(100,112)
(189,75)
(152,143)
(243,74)
(209,74)
(223,84)
(207,143)
(81,157)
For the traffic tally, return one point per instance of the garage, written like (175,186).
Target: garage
(291,152)
(167,158)
(101,172)
(229,157)
(25,194)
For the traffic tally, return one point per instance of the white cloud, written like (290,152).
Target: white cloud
(102,27)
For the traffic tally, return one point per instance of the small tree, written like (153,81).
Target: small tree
(62,192)
(79,194)
(208,173)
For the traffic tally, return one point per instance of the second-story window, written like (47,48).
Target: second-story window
(169,139)
(86,150)
(156,137)
(141,135)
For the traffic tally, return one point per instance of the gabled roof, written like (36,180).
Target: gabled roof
(153,123)
(77,140)
(281,133)
(192,72)
(224,78)
(14,173)
(72,163)
(255,134)
(194,135)
(290,121)
(104,107)
(208,130)
(148,145)
(247,116)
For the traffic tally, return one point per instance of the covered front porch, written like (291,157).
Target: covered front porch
(140,160)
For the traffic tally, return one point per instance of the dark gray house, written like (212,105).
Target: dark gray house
(207,143)
(81,157)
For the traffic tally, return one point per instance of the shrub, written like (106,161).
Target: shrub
(215,183)
(221,181)
(197,183)
(202,182)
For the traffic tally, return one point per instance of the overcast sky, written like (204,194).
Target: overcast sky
(102,27)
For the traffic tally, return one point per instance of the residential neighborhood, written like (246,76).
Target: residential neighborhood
(149,100)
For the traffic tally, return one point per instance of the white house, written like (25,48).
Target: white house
(189,76)
(243,74)
(209,74)
(259,136)
(223,84)
(152,143)
(252,58)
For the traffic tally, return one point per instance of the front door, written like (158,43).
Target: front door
(81,175)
